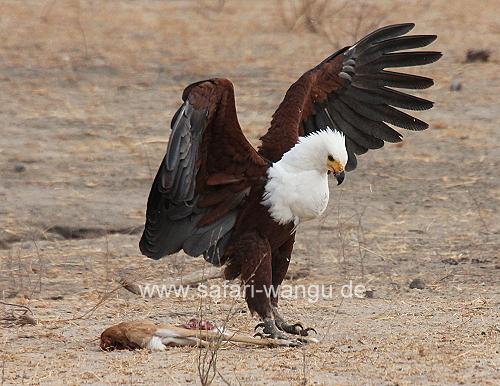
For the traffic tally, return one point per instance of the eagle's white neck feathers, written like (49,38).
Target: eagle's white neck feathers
(297,186)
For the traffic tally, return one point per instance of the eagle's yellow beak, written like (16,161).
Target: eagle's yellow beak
(337,169)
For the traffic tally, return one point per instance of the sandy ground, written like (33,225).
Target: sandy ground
(87,92)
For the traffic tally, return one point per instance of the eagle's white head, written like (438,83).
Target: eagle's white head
(297,188)
(323,151)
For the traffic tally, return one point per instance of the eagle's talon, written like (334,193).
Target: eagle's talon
(299,326)
(270,330)
(294,329)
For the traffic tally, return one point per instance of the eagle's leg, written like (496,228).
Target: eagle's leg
(254,255)
(281,261)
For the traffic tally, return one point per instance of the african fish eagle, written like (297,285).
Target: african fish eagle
(215,195)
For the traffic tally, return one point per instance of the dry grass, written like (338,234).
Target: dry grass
(338,22)
(15,315)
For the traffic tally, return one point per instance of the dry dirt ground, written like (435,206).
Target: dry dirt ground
(87,90)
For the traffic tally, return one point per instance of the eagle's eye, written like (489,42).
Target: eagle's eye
(330,158)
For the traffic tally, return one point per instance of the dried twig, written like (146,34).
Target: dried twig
(81,29)
(40,269)
(480,215)
(340,23)
(341,231)
(327,332)
(304,366)
(193,278)
(18,315)
(360,235)
(207,359)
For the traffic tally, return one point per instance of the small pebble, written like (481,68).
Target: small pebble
(455,85)
(417,283)
(477,55)
(19,168)
(369,294)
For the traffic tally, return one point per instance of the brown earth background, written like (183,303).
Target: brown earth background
(87,91)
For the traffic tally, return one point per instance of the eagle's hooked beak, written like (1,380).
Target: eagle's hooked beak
(340,177)
(337,169)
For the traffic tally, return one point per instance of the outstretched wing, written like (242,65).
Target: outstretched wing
(350,91)
(204,177)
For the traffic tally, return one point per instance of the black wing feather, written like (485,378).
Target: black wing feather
(353,125)
(399,59)
(384,33)
(206,140)
(392,79)
(172,215)
(363,108)
(397,44)
(351,91)
(384,95)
